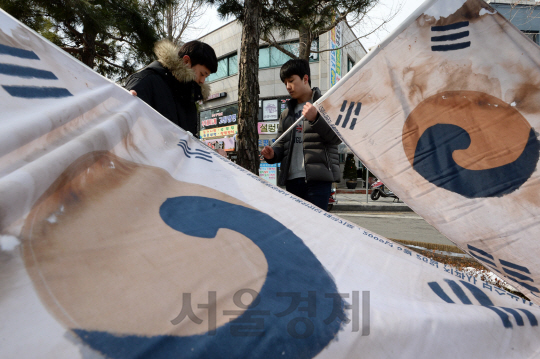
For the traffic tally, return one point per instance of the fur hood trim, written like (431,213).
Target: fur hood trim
(167,55)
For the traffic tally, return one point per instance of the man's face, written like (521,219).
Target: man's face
(201,71)
(296,86)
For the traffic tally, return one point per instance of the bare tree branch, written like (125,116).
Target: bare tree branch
(131,43)
(72,50)
(72,30)
(110,63)
(335,49)
(274,43)
(332,24)
(180,17)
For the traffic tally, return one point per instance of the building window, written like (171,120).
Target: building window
(272,57)
(350,64)
(533,35)
(227,66)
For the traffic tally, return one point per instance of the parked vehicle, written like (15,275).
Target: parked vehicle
(333,199)
(378,190)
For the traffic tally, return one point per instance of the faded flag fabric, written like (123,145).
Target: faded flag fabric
(446,113)
(122,236)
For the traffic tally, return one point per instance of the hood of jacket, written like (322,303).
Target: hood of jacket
(167,55)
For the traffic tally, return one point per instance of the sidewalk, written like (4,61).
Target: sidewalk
(355,200)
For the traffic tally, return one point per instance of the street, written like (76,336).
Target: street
(396,225)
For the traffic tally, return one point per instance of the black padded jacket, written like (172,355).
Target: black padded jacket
(320,144)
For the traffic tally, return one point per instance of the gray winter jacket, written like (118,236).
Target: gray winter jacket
(321,158)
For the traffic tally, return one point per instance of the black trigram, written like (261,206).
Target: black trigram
(450,37)
(515,272)
(26,72)
(349,113)
(459,292)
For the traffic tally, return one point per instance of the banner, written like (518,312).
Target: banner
(445,112)
(123,236)
(335,56)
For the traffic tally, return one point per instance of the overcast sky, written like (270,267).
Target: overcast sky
(211,21)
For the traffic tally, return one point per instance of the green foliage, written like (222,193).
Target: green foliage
(349,170)
(311,18)
(111,36)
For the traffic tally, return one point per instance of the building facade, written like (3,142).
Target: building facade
(523,14)
(219,114)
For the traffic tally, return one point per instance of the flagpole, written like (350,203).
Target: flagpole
(286,132)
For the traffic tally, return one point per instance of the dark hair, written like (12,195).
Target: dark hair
(295,67)
(200,54)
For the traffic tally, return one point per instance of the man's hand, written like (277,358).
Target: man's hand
(310,112)
(133,92)
(268,152)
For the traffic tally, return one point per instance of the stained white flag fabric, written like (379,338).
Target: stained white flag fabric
(122,236)
(446,113)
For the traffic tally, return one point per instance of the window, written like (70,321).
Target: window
(272,57)
(350,64)
(533,35)
(227,66)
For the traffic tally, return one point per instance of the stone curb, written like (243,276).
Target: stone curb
(360,207)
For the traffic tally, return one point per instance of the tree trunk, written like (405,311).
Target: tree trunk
(169,20)
(304,46)
(248,89)
(89,49)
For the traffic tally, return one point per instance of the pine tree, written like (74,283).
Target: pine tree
(249,12)
(311,18)
(112,37)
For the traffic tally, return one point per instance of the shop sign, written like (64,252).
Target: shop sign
(263,143)
(269,172)
(219,117)
(219,132)
(267,128)
(216,95)
(226,144)
(283,104)
(270,110)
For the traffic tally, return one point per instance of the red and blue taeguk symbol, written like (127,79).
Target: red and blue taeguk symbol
(292,267)
(471,143)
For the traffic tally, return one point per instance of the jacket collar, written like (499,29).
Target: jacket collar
(167,55)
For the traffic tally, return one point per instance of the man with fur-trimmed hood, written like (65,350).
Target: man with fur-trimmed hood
(175,82)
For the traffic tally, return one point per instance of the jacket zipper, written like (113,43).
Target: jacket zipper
(303,152)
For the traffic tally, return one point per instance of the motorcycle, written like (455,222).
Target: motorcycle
(332,200)
(378,189)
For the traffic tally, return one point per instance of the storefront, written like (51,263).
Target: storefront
(219,126)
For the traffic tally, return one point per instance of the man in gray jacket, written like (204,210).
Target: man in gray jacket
(309,156)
